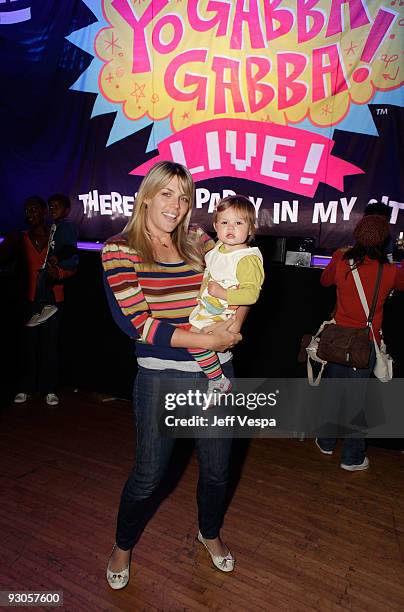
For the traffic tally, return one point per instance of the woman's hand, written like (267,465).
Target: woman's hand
(220,340)
(214,327)
(235,326)
(223,339)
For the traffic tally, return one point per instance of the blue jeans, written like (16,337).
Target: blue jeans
(353,449)
(140,495)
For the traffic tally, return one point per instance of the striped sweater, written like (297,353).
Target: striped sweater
(148,304)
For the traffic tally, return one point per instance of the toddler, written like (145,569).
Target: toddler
(233,277)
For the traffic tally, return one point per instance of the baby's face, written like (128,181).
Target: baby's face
(57,210)
(232,227)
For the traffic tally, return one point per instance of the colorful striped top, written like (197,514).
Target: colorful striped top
(147,302)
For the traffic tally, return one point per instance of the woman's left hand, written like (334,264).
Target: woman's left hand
(222,339)
(219,325)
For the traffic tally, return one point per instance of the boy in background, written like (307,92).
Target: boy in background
(60,262)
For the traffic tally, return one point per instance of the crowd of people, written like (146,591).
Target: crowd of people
(183,297)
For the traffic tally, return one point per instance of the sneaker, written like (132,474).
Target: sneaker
(356,467)
(325,452)
(216,388)
(223,385)
(47,312)
(52,399)
(20,398)
(33,321)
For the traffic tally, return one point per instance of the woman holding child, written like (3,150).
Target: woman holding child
(153,274)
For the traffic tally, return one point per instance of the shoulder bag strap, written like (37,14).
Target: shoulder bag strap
(51,234)
(362,296)
(363,299)
(375,294)
(322,326)
(314,382)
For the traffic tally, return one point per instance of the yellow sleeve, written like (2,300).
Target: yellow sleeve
(250,276)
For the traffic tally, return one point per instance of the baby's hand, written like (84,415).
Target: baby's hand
(216,290)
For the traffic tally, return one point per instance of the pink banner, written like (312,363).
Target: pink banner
(285,157)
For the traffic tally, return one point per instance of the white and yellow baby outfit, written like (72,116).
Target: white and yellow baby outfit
(241,272)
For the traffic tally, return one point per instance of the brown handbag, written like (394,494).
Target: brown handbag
(349,346)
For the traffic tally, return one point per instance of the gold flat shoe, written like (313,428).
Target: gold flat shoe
(224,564)
(118,580)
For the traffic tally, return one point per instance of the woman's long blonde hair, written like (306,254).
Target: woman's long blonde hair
(188,244)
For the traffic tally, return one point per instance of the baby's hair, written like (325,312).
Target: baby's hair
(61,198)
(243,206)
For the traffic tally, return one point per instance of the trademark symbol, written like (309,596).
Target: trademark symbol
(382,111)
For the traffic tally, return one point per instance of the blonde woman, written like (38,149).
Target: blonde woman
(153,273)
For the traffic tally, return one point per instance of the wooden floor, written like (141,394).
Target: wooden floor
(306,534)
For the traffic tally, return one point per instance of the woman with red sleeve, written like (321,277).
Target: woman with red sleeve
(371,235)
